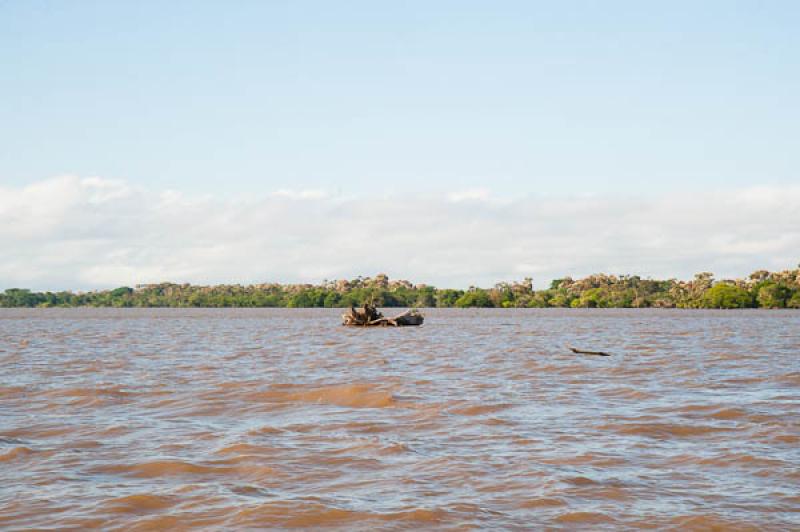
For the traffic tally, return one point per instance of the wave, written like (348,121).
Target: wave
(345,395)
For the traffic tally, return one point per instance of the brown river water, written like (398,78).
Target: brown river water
(154,419)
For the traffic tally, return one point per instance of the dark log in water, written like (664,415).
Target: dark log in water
(583,352)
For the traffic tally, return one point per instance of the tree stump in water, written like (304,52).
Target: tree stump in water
(368,316)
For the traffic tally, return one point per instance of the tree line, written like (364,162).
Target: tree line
(761,289)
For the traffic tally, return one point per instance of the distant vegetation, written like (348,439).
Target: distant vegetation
(762,289)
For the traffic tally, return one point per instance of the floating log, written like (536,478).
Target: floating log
(368,316)
(583,352)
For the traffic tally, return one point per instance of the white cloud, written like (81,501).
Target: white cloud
(471,194)
(305,194)
(80,233)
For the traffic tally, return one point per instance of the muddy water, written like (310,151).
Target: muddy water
(225,419)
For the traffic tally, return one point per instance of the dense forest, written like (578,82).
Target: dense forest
(762,289)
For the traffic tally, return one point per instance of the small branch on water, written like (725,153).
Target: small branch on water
(582,352)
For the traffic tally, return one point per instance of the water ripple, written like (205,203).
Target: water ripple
(163,418)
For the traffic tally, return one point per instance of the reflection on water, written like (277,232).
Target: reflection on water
(150,419)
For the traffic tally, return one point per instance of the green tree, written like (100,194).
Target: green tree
(502,295)
(773,295)
(476,297)
(426,297)
(592,298)
(447,297)
(539,299)
(560,298)
(725,295)
(122,291)
(794,301)
(303,299)
(332,299)
(22,297)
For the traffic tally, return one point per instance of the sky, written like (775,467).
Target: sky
(451,143)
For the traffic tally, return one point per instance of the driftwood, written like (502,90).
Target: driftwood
(368,316)
(582,352)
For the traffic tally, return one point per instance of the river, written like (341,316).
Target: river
(153,419)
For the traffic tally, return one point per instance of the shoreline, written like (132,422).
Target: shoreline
(761,289)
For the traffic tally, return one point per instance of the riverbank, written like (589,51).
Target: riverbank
(761,289)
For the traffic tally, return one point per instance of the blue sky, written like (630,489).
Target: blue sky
(516,101)
(227,97)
